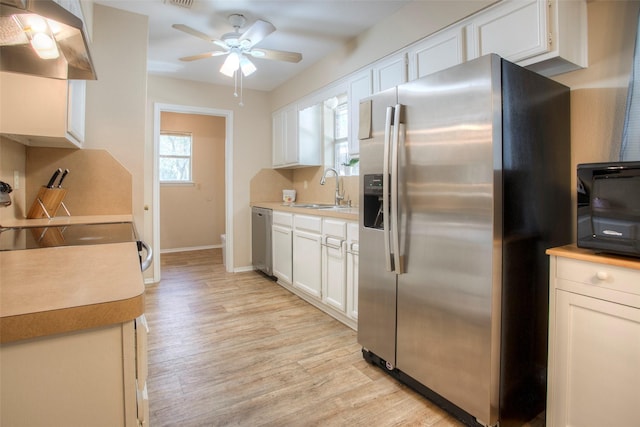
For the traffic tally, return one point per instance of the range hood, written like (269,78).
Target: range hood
(17,55)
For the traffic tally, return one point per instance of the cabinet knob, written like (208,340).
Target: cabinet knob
(602,275)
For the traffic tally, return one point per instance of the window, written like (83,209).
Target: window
(338,142)
(175,157)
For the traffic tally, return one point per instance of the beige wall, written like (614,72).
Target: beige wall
(193,215)
(115,109)
(251,143)
(13,158)
(97,184)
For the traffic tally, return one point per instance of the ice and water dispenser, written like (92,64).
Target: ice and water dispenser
(373,213)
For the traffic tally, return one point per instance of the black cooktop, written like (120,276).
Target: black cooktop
(66,235)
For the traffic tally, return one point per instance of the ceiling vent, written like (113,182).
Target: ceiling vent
(182,3)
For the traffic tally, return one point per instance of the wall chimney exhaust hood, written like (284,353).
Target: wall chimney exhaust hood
(41,38)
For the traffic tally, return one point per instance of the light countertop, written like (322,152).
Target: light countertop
(53,290)
(350,214)
(574,252)
(66,220)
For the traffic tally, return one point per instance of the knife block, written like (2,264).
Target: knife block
(47,203)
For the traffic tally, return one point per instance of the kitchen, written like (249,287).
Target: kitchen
(598,102)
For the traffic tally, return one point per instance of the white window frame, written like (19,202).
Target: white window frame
(188,181)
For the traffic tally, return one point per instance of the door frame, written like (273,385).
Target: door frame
(159,108)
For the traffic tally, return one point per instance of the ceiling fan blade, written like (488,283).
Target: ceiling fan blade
(194,32)
(203,55)
(278,55)
(258,31)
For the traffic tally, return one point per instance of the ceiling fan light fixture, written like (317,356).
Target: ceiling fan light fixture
(247,66)
(231,64)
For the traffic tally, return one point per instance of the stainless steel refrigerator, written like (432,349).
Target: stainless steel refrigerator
(465,181)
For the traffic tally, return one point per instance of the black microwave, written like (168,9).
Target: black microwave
(608,217)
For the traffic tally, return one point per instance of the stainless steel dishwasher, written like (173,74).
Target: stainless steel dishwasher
(261,240)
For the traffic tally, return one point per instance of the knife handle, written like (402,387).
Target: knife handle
(53,178)
(64,174)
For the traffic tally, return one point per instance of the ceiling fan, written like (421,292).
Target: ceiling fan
(239,45)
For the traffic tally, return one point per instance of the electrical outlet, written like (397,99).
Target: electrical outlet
(16,180)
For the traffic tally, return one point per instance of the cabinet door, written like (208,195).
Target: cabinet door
(76,109)
(284,136)
(281,250)
(307,258)
(595,367)
(334,265)
(360,86)
(438,52)
(277,138)
(310,135)
(389,72)
(352,280)
(514,30)
(291,135)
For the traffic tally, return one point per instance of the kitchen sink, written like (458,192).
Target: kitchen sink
(319,206)
(312,205)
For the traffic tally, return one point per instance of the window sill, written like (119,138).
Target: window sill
(177,183)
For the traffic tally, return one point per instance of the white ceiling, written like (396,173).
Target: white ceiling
(312,27)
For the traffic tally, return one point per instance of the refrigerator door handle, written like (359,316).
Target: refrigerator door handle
(388,128)
(395,230)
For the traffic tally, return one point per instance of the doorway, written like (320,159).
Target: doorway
(228,119)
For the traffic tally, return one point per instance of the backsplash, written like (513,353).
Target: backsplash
(97,184)
(267,185)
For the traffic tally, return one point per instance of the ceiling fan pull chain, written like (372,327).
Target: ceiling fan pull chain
(235,83)
(241,101)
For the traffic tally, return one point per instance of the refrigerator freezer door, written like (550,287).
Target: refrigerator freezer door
(376,285)
(445,337)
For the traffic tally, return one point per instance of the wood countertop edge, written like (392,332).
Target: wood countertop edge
(46,323)
(574,252)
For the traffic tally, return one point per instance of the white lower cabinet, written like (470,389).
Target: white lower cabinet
(324,262)
(594,343)
(307,254)
(334,263)
(94,377)
(281,246)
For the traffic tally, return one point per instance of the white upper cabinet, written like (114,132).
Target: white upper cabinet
(42,112)
(438,52)
(514,30)
(547,36)
(360,86)
(568,50)
(389,72)
(288,148)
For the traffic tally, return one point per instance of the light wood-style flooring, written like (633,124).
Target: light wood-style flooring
(239,350)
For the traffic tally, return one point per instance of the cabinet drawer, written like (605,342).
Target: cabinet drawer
(334,228)
(599,275)
(309,223)
(283,218)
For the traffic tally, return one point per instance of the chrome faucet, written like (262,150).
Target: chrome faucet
(323,180)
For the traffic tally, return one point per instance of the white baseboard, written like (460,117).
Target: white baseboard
(187,249)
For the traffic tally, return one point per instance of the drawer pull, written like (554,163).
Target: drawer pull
(602,275)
